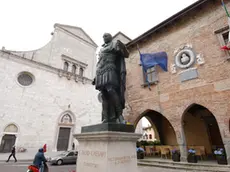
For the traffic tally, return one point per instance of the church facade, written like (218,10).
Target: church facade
(46,94)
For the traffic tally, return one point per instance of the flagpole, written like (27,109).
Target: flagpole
(138,49)
(225,8)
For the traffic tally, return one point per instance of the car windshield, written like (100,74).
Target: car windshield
(63,154)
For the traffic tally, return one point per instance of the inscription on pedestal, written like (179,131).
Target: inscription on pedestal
(89,164)
(95,155)
(101,154)
(122,159)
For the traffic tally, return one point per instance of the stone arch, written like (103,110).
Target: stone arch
(65,129)
(11,128)
(156,134)
(69,113)
(9,137)
(206,136)
(207,104)
(165,129)
(66,119)
(140,116)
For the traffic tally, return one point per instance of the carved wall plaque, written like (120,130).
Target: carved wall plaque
(185,58)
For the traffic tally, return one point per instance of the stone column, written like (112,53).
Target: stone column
(107,151)
(182,145)
(227,148)
(225,135)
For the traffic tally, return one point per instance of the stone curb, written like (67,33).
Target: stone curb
(180,167)
(23,160)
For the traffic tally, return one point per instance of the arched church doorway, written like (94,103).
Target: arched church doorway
(9,138)
(165,138)
(201,131)
(65,128)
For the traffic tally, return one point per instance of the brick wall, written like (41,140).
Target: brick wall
(170,97)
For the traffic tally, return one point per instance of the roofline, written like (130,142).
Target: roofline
(74,27)
(167,21)
(60,25)
(122,34)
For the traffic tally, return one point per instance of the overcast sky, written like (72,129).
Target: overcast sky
(27,24)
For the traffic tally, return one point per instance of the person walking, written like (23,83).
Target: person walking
(13,152)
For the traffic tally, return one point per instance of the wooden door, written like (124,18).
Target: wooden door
(63,139)
(8,141)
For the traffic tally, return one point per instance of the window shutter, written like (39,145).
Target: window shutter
(154,77)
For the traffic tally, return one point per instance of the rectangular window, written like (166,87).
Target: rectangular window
(223,36)
(151,76)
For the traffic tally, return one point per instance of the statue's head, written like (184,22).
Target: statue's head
(107,38)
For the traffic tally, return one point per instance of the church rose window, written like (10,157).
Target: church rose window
(25,79)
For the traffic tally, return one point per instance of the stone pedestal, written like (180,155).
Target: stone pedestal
(107,151)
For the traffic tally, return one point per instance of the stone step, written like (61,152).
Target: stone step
(184,165)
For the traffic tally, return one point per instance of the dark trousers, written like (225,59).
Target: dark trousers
(12,154)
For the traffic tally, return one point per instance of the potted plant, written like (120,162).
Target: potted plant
(143,143)
(150,143)
(140,152)
(220,156)
(157,142)
(192,156)
(176,155)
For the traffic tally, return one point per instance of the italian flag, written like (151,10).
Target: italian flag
(226,47)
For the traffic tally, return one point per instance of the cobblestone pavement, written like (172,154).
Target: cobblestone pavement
(22,167)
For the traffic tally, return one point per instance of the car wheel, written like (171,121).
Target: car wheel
(59,162)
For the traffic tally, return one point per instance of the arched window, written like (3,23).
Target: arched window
(146,136)
(150,136)
(81,72)
(66,119)
(74,68)
(66,66)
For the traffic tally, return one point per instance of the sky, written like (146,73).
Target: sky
(27,24)
(145,122)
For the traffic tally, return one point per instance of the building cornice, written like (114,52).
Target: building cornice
(60,72)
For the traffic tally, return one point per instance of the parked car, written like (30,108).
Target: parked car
(68,157)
